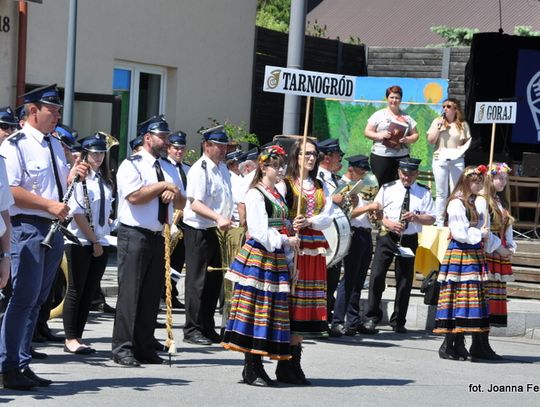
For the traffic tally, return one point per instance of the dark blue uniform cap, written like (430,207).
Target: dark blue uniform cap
(7,116)
(136,142)
(77,148)
(21,112)
(234,155)
(409,164)
(252,154)
(95,143)
(46,94)
(178,139)
(156,124)
(359,161)
(329,146)
(216,135)
(67,135)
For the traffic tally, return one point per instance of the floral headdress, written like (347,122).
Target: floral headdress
(497,168)
(274,151)
(480,170)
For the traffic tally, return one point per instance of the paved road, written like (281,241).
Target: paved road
(383,370)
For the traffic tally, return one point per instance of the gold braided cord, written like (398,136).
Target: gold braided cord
(168,290)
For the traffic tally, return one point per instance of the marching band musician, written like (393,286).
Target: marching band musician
(147,185)
(90,205)
(37,172)
(209,206)
(347,319)
(175,154)
(406,205)
(327,174)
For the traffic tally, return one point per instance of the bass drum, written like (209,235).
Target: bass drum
(338,236)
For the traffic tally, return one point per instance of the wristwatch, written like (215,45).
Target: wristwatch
(5,254)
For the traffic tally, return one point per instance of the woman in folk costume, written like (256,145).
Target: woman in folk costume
(308,293)
(498,262)
(462,303)
(259,318)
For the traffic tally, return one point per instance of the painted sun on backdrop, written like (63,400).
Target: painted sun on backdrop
(433,92)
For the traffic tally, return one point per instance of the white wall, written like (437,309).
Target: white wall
(206,46)
(8,52)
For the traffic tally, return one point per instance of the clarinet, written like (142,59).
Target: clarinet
(87,207)
(62,226)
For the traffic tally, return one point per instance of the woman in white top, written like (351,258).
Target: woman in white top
(392,130)
(448,133)
(87,263)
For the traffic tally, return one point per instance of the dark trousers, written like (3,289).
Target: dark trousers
(332,280)
(55,293)
(84,275)
(33,268)
(141,272)
(356,265)
(384,254)
(202,286)
(385,168)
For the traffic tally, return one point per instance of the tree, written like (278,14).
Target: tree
(462,36)
(274,14)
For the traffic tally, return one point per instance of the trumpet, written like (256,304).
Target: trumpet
(367,188)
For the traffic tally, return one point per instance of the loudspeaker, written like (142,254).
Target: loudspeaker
(530,165)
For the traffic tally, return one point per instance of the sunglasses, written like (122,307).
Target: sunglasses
(448,107)
(5,126)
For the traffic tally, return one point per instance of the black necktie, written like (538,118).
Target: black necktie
(335,179)
(55,169)
(162,211)
(182,174)
(101,200)
(405,205)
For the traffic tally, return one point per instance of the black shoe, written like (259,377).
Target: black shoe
(150,359)
(39,380)
(399,329)
(177,304)
(38,338)
(285,373)
(447,349)
(370,325)
(107,309)
(336,331)
(157,345)
(81,350)
(15,379)
(127,361)
(213,336)
(364,330)
(160,325)
(50,337)
(37,355)
(350,331)
(197,339)
(296,352)
(459,346)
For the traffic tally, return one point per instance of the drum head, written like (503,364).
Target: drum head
(338,236)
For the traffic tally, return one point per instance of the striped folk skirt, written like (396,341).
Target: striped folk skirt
(462,303)
(259,316)
(500,272)
(308,302)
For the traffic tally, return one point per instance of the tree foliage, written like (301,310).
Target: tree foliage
(274,14)
(462,36)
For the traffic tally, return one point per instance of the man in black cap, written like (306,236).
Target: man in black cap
(407,206)
(147,191)
(175,154)
(38,173)
(327,174)
(209,207)
(8,123)
(346,319)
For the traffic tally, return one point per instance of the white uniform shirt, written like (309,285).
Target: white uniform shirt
(211,186)
(391,195)
(237,186)
(186,169)
(361,221)
(134,173)
(381,119)
(77,205)
(244,187)
(29,165)
(325,177)
(6,198)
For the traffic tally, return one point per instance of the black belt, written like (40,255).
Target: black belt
(142,230)
(361,229)
(31,218)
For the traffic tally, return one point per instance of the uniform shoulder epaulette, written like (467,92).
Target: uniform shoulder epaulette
(203,164)
(15,138)
(134,157)
(389,184)
(321,174)
(2,156)
(423,186)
